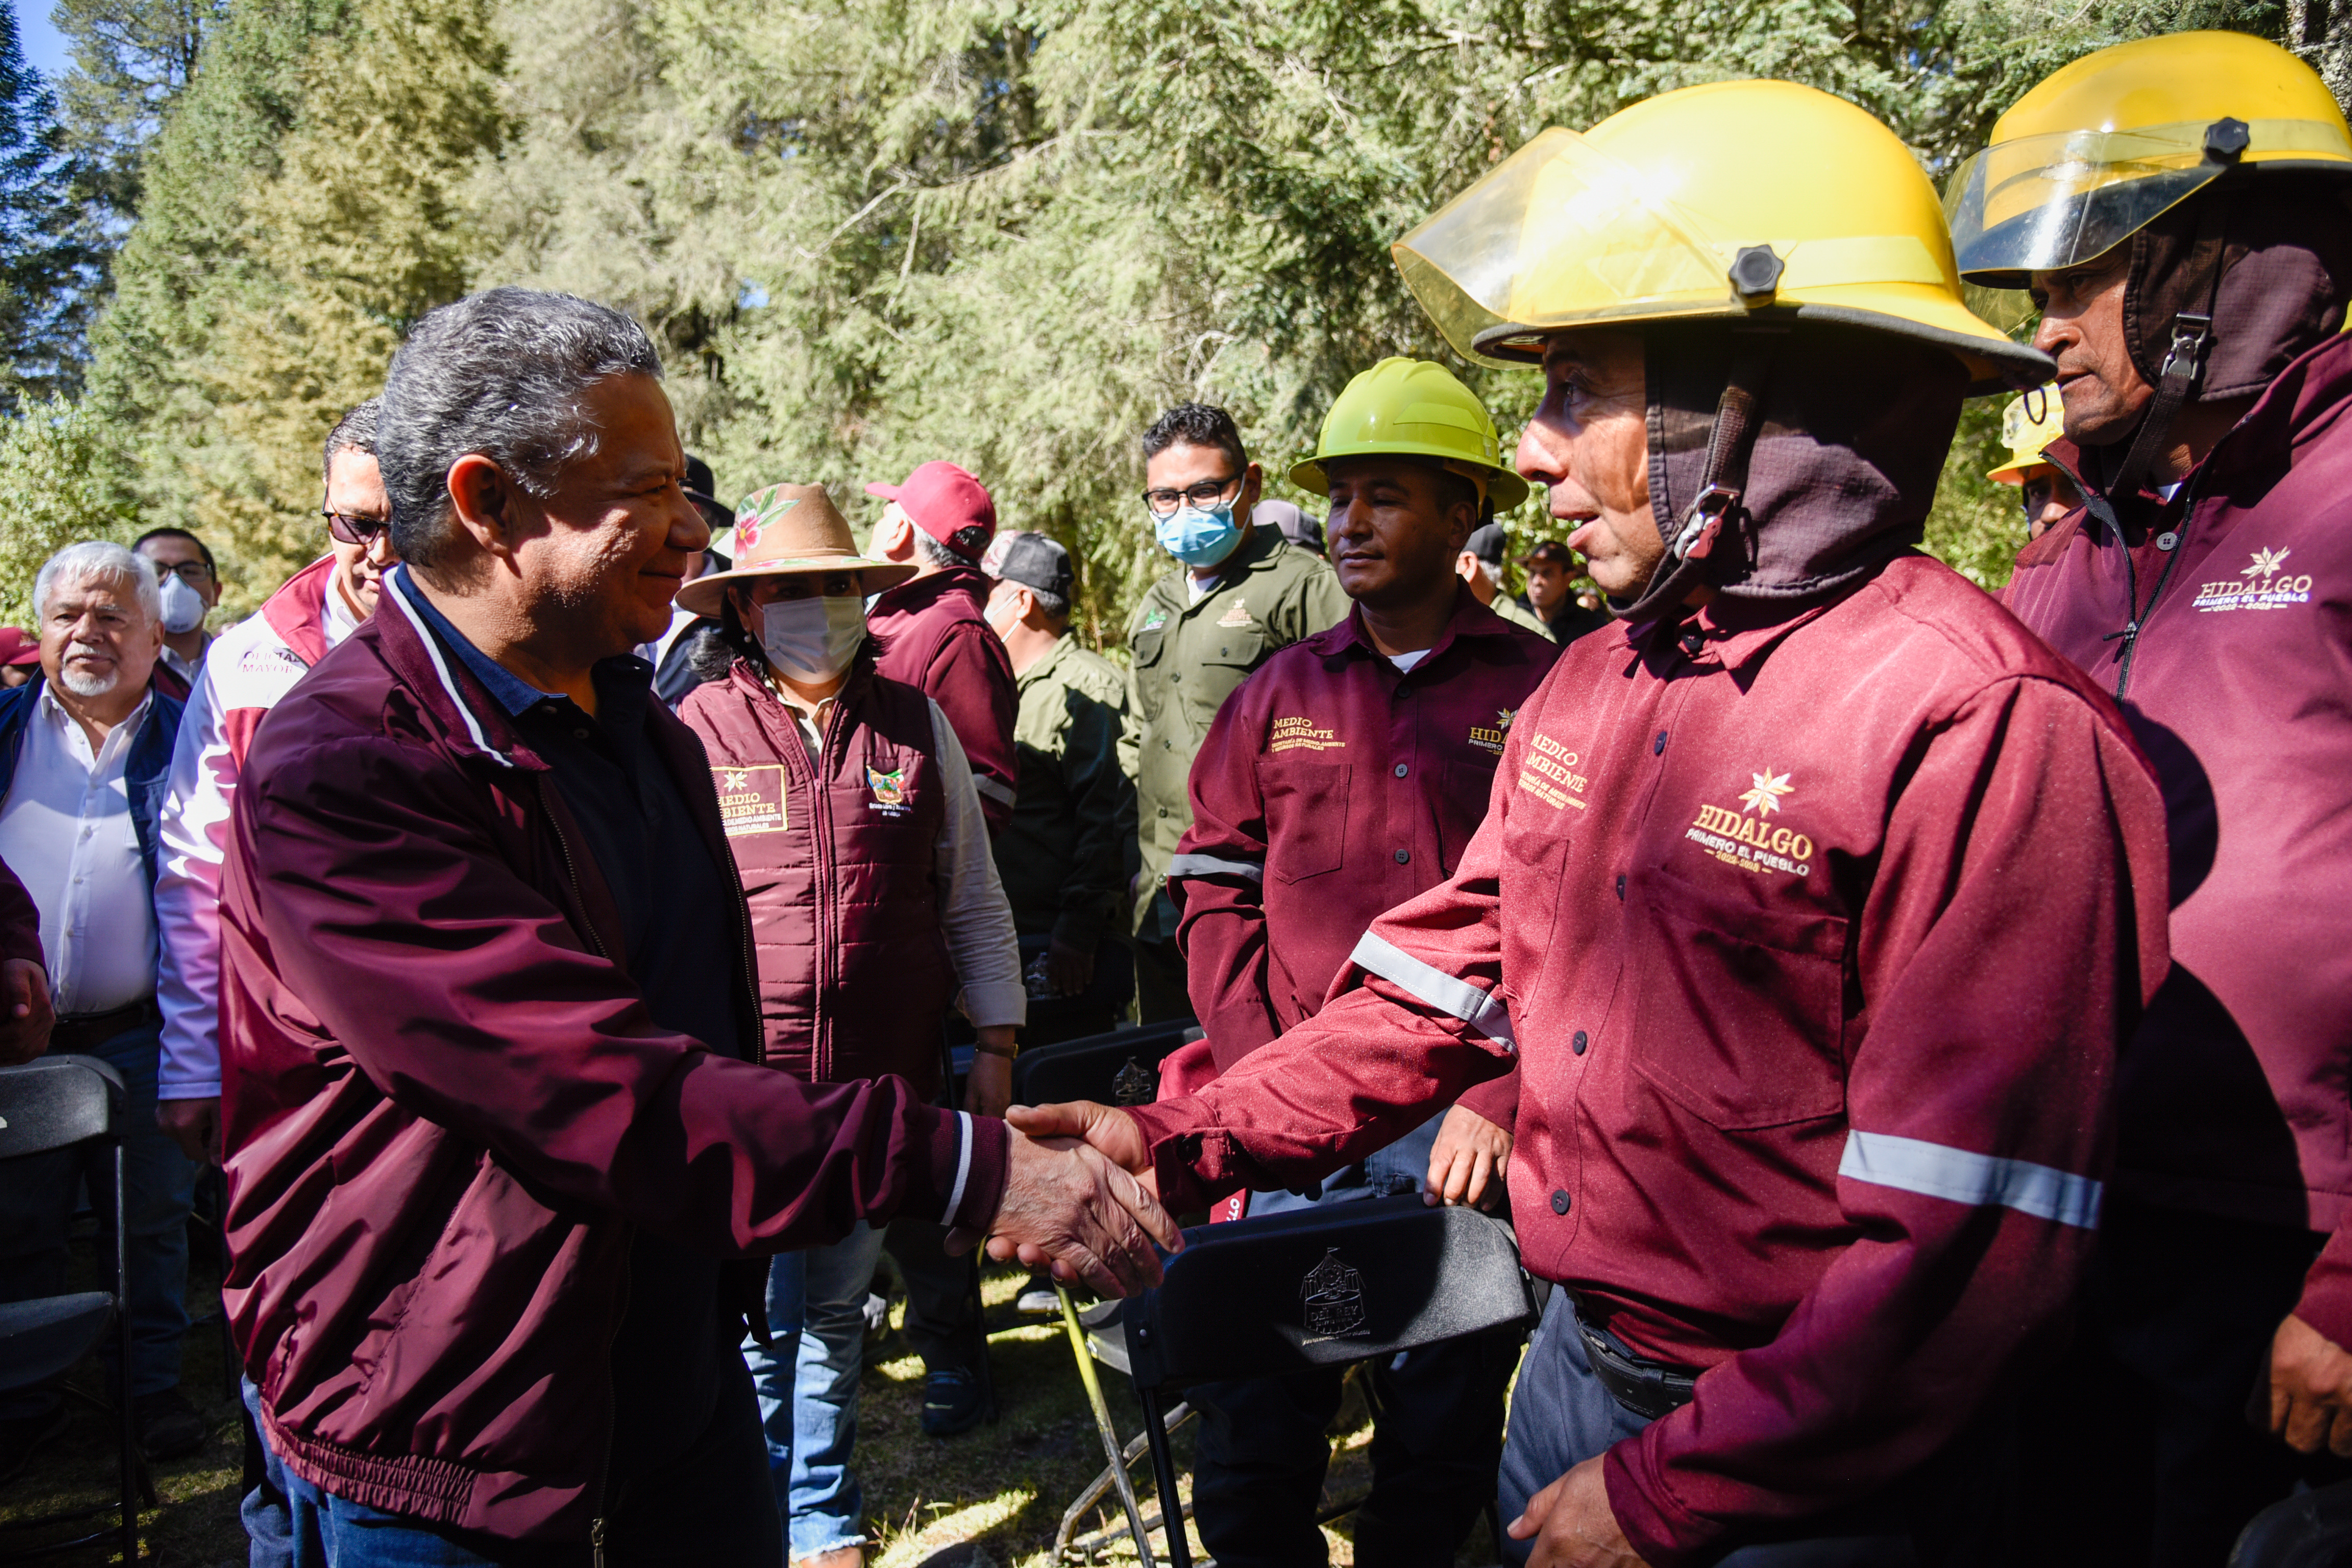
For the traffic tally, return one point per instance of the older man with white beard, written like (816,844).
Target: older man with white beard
(84,749)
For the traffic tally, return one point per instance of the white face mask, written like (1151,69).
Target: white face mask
(183,608)
(812,640)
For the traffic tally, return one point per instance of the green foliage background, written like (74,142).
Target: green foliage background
(868,233)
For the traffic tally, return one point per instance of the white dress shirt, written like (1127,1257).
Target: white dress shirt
(66,830)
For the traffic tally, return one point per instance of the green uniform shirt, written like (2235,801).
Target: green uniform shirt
(1067,854)
(1518,615)
(1188,657)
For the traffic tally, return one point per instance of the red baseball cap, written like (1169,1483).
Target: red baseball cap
(18,646)
(947,503)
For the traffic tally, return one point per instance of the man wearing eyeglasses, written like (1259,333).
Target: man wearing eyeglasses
(1241,594)
(253,664)
(191,588)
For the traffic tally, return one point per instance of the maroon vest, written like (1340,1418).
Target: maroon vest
(839,863)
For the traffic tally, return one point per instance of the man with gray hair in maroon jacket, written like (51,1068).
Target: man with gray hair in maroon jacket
(504,1163)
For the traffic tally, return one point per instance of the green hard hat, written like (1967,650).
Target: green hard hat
(1410,407)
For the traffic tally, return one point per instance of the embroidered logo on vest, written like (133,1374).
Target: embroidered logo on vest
(750,799)
(889,791)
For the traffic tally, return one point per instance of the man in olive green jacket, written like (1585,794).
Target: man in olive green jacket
(1240,594)
(1066,856)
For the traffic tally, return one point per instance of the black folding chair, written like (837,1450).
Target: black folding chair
(1122,1067)
(2310,1530)
(47,1105)
(1326,1287)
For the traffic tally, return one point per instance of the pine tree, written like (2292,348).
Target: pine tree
(47,267)
(131,61)
(358,231)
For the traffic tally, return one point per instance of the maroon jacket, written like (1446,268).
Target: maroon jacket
(20,921)
(935,639)
(2239,684)
(1331,788)
(839,861)
(447,1113)
(1815,930)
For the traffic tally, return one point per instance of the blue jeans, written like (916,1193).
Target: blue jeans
(264,1512)
(159,1184)
(1402,1167)
(807,1382)
(1953,1509)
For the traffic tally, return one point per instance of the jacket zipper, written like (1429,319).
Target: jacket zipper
(827,941)
(2133,626)
(628,1237)
(571,874)
(612,1406)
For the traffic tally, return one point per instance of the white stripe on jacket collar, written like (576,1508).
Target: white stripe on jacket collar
(1455,998)
(397,581)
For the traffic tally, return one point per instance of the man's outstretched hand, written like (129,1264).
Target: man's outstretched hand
(1067,1205)
(1108,1131)
(1104,1132)
(25,1012)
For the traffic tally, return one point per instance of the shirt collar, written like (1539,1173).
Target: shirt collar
(1470,619)
(65,724)
(508,689)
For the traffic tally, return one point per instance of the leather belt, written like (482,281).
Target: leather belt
(1647,1388)
(76,1032)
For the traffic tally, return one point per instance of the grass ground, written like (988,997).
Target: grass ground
(990,1497)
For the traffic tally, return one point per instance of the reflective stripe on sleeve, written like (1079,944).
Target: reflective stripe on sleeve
(1960,1176)
(1455,997)
(963,1165)
(994,789)
(1215,865)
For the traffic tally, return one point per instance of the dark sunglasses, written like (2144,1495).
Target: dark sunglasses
(354,530)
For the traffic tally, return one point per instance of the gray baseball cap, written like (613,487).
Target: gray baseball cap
(1032,560)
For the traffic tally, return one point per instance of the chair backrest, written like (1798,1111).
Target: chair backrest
(1122,1067)
(1324,1285)
(55,1103)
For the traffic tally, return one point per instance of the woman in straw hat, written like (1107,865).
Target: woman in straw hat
(850,808)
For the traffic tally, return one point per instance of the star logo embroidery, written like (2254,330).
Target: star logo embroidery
(1503,717)
(1765,798)
(2266,563)
(738,781)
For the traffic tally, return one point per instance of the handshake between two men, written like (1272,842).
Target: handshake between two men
(1081,1195)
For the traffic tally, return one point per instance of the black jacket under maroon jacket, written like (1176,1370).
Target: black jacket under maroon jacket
(448,1114)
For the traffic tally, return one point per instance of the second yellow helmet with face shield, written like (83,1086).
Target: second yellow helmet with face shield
(2106,145)
(1743,200)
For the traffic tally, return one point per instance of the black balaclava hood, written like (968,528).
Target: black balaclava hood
(1855,425)
(2286,278)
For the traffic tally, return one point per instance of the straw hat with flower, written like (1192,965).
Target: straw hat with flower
(788,531)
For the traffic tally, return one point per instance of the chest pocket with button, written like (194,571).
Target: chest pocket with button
(1737,1012)
(1310,800)
(1225,655)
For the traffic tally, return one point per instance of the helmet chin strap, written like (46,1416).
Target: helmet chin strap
(2184,360)
(1717,507)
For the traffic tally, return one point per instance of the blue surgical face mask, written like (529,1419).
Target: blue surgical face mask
(1198,536)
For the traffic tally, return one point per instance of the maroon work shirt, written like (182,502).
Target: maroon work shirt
(1816,929)
(1331,788)
(934,638)
(2239,683)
